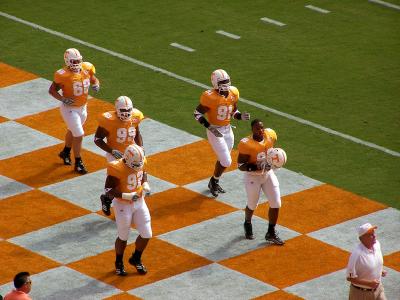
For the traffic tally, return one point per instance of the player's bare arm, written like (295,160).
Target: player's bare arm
(95,83)
(54,91)
(138,137)
(111,187)
(100,135)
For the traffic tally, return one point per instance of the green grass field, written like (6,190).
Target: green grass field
(340,70)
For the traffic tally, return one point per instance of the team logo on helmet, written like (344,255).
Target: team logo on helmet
(220,80)
(134,157)
(124,107)
(276,157)
(73,59)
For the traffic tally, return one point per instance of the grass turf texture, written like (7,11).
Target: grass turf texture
(340,70)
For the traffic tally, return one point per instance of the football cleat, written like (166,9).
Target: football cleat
(141,269)
(219,188)
(212,185)
(119,269)
(80,167)
(66,157)
(248,231)
(274,238)
(105,205)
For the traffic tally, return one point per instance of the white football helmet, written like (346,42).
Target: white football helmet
(276,157)
(124,107)
(134,157)
(220,80)
(73,59)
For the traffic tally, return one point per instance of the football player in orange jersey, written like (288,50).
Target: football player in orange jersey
(127,183)
(120,128)
(259,176)
(219,105)
(74,80)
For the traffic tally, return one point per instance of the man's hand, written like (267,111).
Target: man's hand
(264,166)
(96,87)
(214,130)
(374,283)
(67,101)
(384,273)
(245,116)
(117,154)
(146,188)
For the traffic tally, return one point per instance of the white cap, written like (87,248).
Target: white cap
(365,228)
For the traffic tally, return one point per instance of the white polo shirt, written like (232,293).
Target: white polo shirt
(366,263)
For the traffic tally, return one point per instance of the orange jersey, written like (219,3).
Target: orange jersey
(257,151)
(75,85)
(129,179)
(121,134)
(220,108)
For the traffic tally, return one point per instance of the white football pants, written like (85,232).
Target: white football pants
(136,211)
(268,183)
(74,117)
(222,146)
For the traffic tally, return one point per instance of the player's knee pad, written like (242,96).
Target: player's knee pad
(275,203)
(145,231)
(226,161)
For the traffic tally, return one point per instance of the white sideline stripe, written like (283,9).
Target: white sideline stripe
(268,20)
(176,45)
(387,4)
(201,85)
(318,9)
(230,35)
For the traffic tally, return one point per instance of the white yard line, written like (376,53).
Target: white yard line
(318,9)
(179,46)
(198,84)
(387,4)
(268,20)
(230,35)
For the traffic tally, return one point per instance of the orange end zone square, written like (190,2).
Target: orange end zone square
(123,296)
(278,295)
(95,107)
(186,164)
(43,167)
(34,210)
(393,261)
(320,207)
(14,259)
(179,207)
(10,75)
(51,122)
(161,259)
(301,258)
(3,119)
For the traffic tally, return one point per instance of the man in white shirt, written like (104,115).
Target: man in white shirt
(365,267)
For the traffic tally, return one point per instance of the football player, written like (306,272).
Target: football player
(120,128)
(127,184)
(259,176)
(219,105)
(74,80)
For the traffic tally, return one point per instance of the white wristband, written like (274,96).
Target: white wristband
(128,196)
